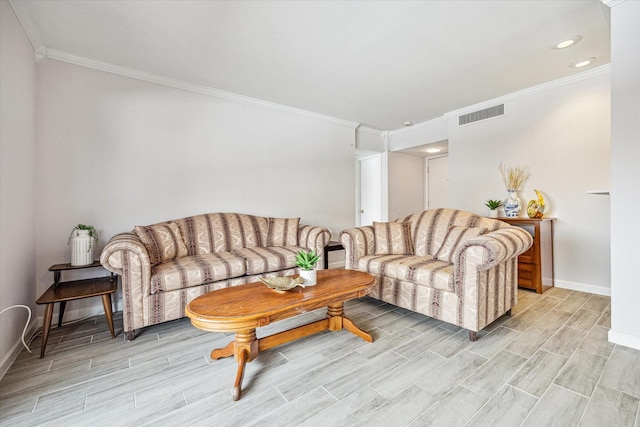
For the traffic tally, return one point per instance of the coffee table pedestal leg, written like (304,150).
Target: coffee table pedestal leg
(337,322)
(246,347)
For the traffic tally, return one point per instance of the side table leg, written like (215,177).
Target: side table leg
(63,305)
(46,325)
(106,302)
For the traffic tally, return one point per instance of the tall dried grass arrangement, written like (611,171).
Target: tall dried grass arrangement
(513,177)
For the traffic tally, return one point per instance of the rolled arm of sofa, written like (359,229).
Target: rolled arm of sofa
(488,250)
(357,242)
(125,255)
(312,237)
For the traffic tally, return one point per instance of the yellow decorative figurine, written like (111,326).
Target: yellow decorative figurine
(535,208)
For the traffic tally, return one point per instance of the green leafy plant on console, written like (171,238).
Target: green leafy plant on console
(493,204)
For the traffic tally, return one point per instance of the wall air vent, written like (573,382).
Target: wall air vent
(487,113)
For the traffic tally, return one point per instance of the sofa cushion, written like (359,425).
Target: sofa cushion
(429,228)
(273,258)
(384,265)
(219,232)
(454,238)
(427,271)
(162,241)
(283,232)
(392,238)
(195,270)
(421,270)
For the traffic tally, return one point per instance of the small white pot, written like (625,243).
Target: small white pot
(81,248)
(309,277)
(493,213)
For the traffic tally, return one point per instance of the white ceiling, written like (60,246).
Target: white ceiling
(379,63)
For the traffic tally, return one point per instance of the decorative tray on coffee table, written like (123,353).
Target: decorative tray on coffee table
(282,284)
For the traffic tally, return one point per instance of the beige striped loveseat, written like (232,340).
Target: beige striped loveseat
(448,264)
(164,266)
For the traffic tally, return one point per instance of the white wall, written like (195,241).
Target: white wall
(406,185)
(368,141)
(116,152)
(561,132)
(17,140)
(421,133)
(562,135)
(625,174)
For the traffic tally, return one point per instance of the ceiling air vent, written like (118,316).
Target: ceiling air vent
(487,113)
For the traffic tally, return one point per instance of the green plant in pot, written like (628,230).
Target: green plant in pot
(306,261)
(82,239)
(493,206)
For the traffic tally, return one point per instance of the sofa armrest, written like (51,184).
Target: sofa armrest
(495,247)
(125,255)
(357,242)
(315,238)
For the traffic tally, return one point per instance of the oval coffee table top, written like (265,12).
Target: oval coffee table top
(254,304)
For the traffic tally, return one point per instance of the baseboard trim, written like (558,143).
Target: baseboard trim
(583,287)
(12,354)
(627,340)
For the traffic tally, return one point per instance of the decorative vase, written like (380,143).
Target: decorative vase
(81,248)
(309,277)
(512,204)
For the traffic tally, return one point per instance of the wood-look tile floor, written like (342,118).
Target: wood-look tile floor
(548,364)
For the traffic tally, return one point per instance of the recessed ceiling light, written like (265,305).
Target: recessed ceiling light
(565,43)
(583,63)
(408,123)
(433,150)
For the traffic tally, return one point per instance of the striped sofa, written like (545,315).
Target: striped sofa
(448,264)
(164,266)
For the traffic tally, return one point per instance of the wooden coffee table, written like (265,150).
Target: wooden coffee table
(244,308)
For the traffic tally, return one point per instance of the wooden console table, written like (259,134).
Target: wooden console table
(535,266)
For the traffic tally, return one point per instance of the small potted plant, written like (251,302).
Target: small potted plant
(82,240)
(307,261)
(493,206)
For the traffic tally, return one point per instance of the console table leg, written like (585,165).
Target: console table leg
(46,325)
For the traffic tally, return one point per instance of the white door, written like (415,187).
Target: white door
(370,190)
(438,183)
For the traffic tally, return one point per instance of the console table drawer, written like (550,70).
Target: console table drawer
(526,275)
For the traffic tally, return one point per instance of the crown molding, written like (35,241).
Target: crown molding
(162,80)
(369,130)
(21,11)
(598,71)
(611,3)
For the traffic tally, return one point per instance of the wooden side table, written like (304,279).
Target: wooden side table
(76,289)
(332,246)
